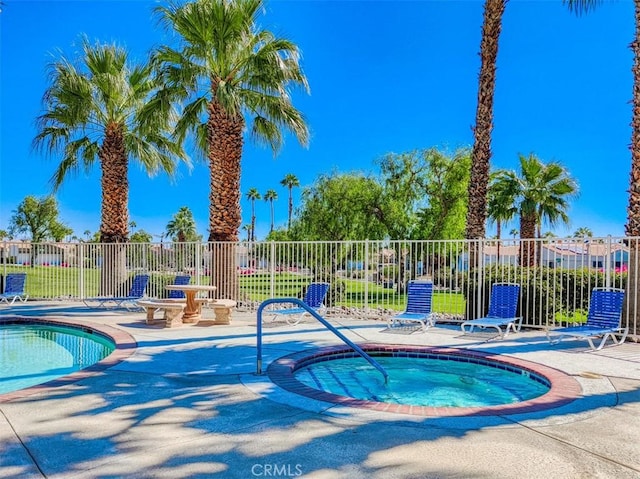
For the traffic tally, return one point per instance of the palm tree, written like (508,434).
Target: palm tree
(583,232)
(182,227)
(253,195)
(226,71)
(540,193)
(289,181)
(481,152)
(514,233)
(99,112)
(500,206)
(247,229)
(271,196)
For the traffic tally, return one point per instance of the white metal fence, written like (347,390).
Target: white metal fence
(367,278)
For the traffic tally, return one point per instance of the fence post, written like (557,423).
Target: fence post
(607,264)
(81,270)
(365,267)
(272,268)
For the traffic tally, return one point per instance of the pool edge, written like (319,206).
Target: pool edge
(564,388)
(125,346)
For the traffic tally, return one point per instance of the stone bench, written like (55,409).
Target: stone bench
(172,310)
(222,309)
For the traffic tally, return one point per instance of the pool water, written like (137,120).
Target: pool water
(424,381)
(34,354)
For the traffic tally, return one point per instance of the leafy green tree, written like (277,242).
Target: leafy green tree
(252,195)
(271,196)
(290,181)
(4,235)
(228,70)
(98,110)
(141,236)
(541,193)
(339,207)
(445,185)
(37,217)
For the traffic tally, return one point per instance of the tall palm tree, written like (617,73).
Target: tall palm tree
(99,112)
(182,227)
(252,195)
(541,193)
(227,71)
(481,152)
(290,181)
(271,196)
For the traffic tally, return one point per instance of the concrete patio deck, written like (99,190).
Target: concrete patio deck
(187,403)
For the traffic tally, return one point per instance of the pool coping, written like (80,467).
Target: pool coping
(125,346)
(564,388)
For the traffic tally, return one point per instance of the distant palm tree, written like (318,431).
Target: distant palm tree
(500,206)
(99,112)
(271,196)
(583,232)
(247,228)
(182,227)
(514,232)
(289,181)
(541,193)
(228,69)
(252,195)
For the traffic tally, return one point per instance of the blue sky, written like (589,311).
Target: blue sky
(385,76)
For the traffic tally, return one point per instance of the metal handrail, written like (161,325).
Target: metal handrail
(326,324)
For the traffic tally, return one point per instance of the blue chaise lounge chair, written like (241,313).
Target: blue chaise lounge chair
(137,292)
(603,320)
(313,297)
(14,285)
(418,310)
(503,306)
(179,279)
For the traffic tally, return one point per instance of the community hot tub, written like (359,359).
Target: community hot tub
(425,381)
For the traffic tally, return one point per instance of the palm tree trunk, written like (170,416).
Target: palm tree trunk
(527,241)
(115,214)
(272,219)
(633,218)
(481,153)
(290,207)
(225,152)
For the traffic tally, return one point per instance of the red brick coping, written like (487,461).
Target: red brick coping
(125,345)
(563,388)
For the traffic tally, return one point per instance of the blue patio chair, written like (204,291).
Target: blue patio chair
(136,292)
(313,297)
(418,310)
(14,284)
(503,305)
(603,320)
(179,279)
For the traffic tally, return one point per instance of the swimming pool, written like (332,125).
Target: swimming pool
(36,352)
(425,381)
